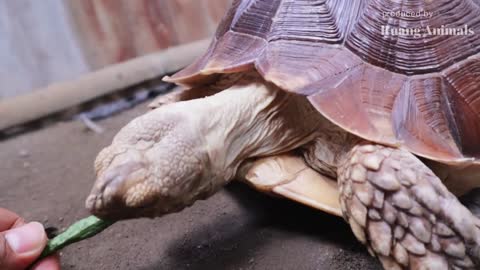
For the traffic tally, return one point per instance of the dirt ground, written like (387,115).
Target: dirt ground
(46,175)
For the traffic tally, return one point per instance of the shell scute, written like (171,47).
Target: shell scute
(418,91)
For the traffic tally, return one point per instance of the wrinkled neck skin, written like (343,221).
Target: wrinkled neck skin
(254,120)
(248,120)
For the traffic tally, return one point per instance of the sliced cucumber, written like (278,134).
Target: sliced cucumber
(80,230)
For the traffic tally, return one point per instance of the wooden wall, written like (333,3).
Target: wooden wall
(53,40)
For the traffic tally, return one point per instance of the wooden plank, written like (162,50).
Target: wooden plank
(61,96)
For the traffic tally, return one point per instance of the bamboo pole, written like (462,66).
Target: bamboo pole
(60,96)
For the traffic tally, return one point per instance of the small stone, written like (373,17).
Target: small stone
(401,200)
(23,153)
(373,161)
(413,245)
(400,254)
(380,235)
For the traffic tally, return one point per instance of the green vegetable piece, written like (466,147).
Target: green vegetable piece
(80,230)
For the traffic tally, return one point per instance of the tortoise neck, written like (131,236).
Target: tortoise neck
(255,119)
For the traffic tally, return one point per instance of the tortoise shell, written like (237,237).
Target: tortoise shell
(382,70)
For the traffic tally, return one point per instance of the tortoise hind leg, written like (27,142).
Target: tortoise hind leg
(404,214)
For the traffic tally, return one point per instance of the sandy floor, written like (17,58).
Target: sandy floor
(45,175)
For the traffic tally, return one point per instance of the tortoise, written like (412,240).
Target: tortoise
(322,102)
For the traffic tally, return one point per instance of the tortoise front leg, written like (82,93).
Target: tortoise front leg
(404,214)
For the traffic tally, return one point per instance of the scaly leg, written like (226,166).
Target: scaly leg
(404,214)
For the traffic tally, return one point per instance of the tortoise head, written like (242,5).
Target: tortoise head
(124,187)
(168,158)
(152,168)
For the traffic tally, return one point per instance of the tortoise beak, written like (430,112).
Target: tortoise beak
(108,196)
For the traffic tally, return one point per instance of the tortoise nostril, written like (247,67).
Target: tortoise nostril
(111,181)
(115,178)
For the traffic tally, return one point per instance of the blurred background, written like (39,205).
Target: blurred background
(47,41)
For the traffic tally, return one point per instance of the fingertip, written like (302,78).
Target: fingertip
(27,240)
(21,245)
(49,263)
(40,228)
(42,234)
